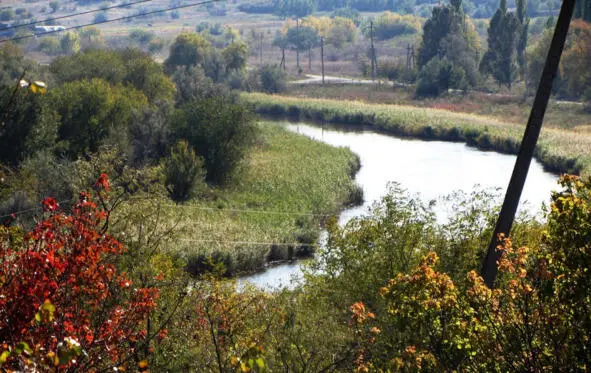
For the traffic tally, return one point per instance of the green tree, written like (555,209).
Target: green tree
(521,12)
(70,42)
(294,8)
(187,49)
(93,113)
(500,60)
(183,171)
(220,132)
(235,56)
(303,38)
(583,10)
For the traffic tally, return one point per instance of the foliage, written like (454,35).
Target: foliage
(390,25)
(187,49)
(448,38)
(571,81)
(30,124)
(70,42)
(128,66)
(183,172)
(503,40)
(13,64)
(438,76)
(64,305)
(93,113)
(272,79)
(220,132)
(293,8)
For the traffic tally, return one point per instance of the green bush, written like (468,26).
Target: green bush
(183,171)
(439,75)
(272,79)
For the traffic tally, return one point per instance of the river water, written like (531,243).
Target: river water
(429,168)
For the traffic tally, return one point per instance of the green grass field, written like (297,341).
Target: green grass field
(272,211)
(559,150)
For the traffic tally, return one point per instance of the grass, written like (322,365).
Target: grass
(267,212)
(559,150)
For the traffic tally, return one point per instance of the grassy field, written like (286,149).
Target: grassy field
(559,150)
(272,211)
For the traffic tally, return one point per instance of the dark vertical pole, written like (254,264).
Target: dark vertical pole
(298,46)
(373,60)
(261,48)
(322,57)
(528,143)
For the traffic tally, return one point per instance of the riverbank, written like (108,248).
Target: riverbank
(271,211)
(559,150)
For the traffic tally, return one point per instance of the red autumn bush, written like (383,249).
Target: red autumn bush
(63,304)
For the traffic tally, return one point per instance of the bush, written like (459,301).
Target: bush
(272,79)
(184,172)
(439,75)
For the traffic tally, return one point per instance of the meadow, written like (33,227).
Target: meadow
(559,150)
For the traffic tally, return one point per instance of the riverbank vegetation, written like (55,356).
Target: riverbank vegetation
(559,150)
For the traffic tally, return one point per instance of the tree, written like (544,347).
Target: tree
(303,38)
(70,42)
(93,113)
(294,8)
(500,60)
(235,56)
(521,10)
(220,132)
(63,303)
(187,49)
(183,171)
(342,31)
(583,10)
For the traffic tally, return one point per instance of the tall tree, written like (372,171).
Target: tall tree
(583,10)
(521,8)
(500,60)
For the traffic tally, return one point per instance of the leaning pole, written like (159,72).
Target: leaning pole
(528,143)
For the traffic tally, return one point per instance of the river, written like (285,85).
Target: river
(430,169)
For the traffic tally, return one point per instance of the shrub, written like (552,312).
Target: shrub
(63,303)
(390,25)
(272,79)
(439,75)
(183,172)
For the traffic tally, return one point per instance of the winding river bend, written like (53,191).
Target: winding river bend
(430,168)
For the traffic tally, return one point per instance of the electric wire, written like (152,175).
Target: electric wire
(108,21)
(104,9)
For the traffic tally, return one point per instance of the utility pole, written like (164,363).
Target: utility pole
(261,48)
(372,52)
(528,143)
(322,57)
(298,46)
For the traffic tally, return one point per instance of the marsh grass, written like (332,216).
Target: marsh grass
(559,150)
(272,210)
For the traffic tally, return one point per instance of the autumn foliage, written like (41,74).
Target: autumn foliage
(63,304)
(535,319)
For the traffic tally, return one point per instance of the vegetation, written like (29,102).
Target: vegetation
(557,149)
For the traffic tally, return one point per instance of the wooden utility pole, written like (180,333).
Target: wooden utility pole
(372,52)
(261,48)
(298,46)
(528,143)
(322,57)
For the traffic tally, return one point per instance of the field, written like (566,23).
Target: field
(559,150)
(273,211)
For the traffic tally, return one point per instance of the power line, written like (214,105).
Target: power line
(110,20)
(74,15)
(300,244)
